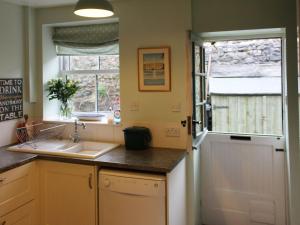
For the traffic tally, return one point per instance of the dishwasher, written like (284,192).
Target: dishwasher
(130,198)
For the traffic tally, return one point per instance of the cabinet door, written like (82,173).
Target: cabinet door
(17,187)
(21,216)
(68,194)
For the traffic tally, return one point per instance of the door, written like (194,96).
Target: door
(197,125)
(243,157)
(68,194)
(243,180)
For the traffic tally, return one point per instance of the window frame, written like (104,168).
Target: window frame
(65,73)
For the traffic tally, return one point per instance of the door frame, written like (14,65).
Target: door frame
(240,35)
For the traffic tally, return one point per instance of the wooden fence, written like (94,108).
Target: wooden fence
(247,114)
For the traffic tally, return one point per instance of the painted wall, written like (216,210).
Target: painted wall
(214,15)
(12,60)
(142,24)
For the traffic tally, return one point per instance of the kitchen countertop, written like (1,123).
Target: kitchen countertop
(10,160)
(150,160)
(158,160)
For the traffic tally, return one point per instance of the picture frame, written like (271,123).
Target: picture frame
(154,69)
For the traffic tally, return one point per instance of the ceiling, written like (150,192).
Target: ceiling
(42,3)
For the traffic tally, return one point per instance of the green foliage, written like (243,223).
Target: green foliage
(62,90)
(102,90)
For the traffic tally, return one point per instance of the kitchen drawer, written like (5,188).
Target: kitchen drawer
(17,187)
(21,216)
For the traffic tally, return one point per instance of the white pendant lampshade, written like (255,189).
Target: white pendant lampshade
(94,8)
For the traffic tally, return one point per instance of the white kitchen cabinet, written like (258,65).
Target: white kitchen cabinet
(68,194)
(17,187)
(21,216)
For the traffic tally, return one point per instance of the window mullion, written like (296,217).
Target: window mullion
(97,94)
(69,63)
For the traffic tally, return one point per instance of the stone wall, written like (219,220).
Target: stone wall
(107,88)
(245,58)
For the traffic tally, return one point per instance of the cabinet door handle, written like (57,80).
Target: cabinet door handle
(90,181)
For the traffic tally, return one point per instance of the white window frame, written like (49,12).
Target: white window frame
(65,73)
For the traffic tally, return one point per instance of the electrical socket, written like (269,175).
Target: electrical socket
(172,132)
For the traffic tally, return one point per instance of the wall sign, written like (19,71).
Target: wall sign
(11,99)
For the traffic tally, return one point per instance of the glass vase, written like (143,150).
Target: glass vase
(65,111)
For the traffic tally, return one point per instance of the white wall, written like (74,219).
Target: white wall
(142,24)
(12,60)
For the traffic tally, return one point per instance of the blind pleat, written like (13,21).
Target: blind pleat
(87,36)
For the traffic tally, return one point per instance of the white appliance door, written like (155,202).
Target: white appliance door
(129,201)
(243,181)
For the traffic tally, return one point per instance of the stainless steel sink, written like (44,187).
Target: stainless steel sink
(66,148)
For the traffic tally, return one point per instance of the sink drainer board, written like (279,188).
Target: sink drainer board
(46,138)
(66,148)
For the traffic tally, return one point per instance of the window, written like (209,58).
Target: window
(244,86)
(99,80)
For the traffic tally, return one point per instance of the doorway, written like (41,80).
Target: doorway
(242,156)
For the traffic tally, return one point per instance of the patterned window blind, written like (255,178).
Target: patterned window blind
(87,39)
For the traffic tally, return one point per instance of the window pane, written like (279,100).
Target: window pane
(85,99)
(108,92)
(64,63)
(198,89)
(245,86)
(109,62)
(197,59)
(84,62)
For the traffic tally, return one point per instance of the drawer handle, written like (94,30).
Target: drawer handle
(90,181)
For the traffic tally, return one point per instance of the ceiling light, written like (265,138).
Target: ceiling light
(94,8)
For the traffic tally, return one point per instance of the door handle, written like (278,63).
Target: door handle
(90,181)
(196,122)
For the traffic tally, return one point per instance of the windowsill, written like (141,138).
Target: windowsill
(68,121)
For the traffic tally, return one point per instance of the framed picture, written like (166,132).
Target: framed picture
(154,69)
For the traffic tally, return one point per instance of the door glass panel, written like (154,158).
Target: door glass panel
(245,92)
(197,59)
(199,119)
(197,89)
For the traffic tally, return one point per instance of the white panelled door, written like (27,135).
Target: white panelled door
(243,180)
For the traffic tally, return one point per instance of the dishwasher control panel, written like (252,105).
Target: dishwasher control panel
(134,185)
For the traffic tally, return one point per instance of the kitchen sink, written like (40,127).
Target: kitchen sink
(91,149)
(66,148)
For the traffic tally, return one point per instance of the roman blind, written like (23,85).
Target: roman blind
(87,39)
